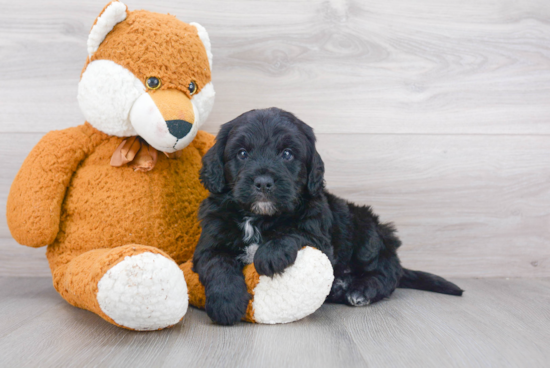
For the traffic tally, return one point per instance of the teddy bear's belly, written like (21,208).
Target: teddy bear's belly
(107,207)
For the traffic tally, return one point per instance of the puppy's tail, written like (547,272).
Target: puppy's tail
(426,281)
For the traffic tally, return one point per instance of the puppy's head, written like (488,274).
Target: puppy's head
(265,160)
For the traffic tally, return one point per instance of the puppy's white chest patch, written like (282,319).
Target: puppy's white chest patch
(249,252)
(252,236)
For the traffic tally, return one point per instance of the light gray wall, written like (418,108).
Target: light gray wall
(436,113)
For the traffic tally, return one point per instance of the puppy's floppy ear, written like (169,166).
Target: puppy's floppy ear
(316,174)
(316,166)
(212,174)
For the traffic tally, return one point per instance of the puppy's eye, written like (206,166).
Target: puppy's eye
(287,155)
(242,154)
(192,87)
(153,83)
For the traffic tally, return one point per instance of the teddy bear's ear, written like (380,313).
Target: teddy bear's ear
(203,35)
(114,13)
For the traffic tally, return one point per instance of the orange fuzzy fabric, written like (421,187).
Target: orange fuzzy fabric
(67,195)
(104,206)
(77,281)
(144,44)
(91,215)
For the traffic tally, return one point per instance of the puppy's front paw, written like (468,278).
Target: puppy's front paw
(227,305)
(273,257)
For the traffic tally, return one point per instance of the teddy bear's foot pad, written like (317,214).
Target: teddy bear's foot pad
(144,292)
(298,292)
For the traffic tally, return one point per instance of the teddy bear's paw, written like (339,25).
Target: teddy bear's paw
(298,292)
(144,292)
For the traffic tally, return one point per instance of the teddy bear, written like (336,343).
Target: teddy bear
(115,200)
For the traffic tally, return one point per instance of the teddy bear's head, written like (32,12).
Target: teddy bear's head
(147,74)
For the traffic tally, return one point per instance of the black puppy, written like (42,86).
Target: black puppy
(268,201)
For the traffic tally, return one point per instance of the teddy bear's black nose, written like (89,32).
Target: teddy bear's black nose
(179,128)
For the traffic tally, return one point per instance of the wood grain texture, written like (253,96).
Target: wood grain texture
(395,66)
(437,114)
(498,323)
(464,205)
(19,261)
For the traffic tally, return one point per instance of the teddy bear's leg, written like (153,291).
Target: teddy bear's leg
(295,294)
(132,286)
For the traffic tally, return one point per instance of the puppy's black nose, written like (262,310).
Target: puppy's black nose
(264,183)
(179,128)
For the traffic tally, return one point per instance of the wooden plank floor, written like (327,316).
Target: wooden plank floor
(498,323)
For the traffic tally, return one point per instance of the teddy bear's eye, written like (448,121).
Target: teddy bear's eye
(153,83)
(192,87)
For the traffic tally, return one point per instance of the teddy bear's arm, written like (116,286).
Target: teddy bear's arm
(37,192)
(203,141)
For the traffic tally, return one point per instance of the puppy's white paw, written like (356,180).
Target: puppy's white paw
(297,293)
(144,292)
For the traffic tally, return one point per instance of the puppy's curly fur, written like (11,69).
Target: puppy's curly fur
(268,200)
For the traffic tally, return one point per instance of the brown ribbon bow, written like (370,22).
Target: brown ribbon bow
(139,154)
